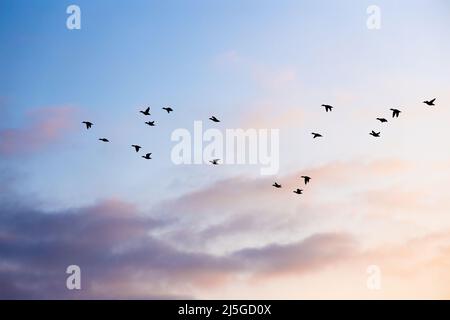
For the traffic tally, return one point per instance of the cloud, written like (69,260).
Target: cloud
(312,253)
(259,194)
(43,127)
(227,58)
(112,243)
(109,241)
(187,247)
(270,115)
(273,78)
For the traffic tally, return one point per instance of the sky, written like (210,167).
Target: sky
(157,230)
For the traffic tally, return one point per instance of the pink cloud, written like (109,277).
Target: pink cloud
(270,115)
(227,58)
(43,127)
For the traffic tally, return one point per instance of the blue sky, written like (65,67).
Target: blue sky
(165,52)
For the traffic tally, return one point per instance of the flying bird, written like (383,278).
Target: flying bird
(375,134)
(168,109)
(276,185)
(150,123)
(88,124)
(298,191)
(147,156)
(104,139)
(307,179)
(382,119)
(135,146)
(214,119)
(395,113)
(146,112)
(430,103)
(316,135)
(215,161)
(327,107)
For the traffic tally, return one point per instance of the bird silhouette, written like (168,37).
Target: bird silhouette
(298,191)
(214,119)
(88,124)
(375,134)
(327,107)
(382,119)
(168,109)
(104,139)
(150,123)
(136,147)
(316,135)
(307,179)
(215,161)
(276,185)
(395,113)
(146,112)
(147,156)
(430,103)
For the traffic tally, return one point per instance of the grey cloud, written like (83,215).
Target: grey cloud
(112,242)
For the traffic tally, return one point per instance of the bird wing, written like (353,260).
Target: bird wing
(433,100)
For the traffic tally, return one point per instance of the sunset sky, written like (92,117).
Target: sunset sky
(154,229)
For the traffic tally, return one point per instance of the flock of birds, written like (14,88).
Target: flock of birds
(329,108)
(136,147)
(306,179)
